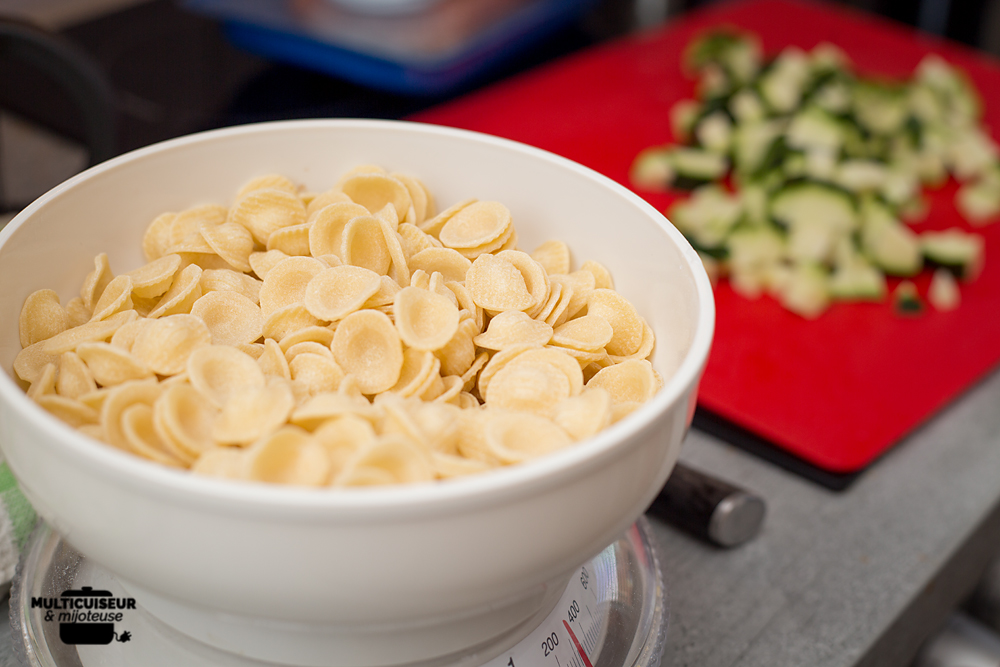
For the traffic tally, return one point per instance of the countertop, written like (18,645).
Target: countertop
(861,577)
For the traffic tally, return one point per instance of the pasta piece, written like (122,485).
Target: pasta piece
(219,371)
(425,320)
(42,316)
(164,345)
(367,346)
(288,456)
(267,210)
(336,292)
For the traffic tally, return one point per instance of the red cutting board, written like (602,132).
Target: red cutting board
(837,391)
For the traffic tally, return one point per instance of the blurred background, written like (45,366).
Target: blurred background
(82,80)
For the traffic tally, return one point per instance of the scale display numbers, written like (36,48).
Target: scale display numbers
(571,635)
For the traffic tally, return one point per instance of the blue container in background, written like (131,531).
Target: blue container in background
(422,47)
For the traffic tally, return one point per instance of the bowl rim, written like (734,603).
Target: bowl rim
(182,487)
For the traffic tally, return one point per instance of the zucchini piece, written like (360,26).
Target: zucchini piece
(857,280)
(652,170)
(900,186)
(943,292)
(930,162)
(794,166)
(906,299)
(694,167)
(683,115)
(955,250)
(814,241)
(962,105)
(814,128)
(879,108)
(737,54)
(782,85)
(979,201)
(805,291)
(821,165)
(755,255)
(925,104)
(714,132)
(745,106)
(662,167)
(833,96)
(807,203)
(758,146)
(755,248)
(754,200)
(874,211)
(971,154)
(707,217)
(861,175)
(892,247)
(714,82)
(829,58)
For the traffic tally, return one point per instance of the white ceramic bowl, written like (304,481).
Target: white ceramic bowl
(367,576)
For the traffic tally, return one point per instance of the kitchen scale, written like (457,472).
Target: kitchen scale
(612,614)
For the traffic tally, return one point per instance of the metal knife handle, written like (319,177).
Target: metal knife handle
(709,508)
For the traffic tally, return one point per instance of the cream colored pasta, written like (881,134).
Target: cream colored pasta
(352,337)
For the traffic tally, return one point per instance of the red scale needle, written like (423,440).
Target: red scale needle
(576,642)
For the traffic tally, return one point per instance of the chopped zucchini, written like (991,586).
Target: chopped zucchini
(821,165)
(957,94)
(861,175)
(755,249)
(652,169)
(754,199)
(808,203)
(680,167)
(806,291)
(971,154)
(893,248)
(958,251)
(694,167)
(757,146)
(782,84)
(834,97)
(827,57)
(979,201)
(683,116)
(707,217)
(906,299)
(737,54)
(900,186)
(815,128)
(745,106)
(714,132)
(857,281)
(925,104)
(879,108)
(827,166)
(943,292)
(875,212)
(795,166)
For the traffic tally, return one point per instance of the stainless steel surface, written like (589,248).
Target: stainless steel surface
(737,519)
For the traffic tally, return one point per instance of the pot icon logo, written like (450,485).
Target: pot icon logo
(85,615)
